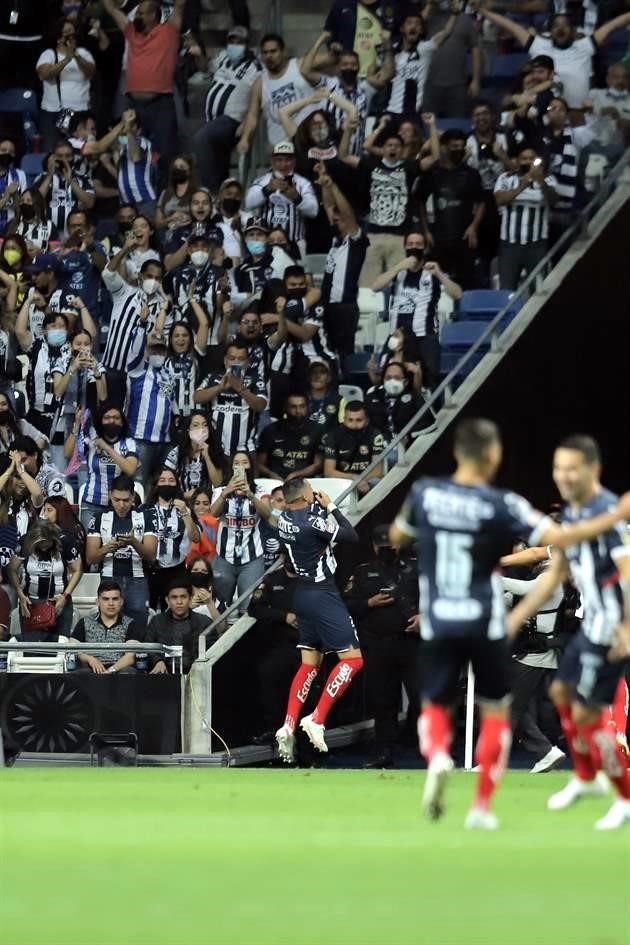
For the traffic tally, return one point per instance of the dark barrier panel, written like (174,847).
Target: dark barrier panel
(58,713)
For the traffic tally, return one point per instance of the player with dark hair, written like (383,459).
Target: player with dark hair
(594,660)
(462,526)
(307,527)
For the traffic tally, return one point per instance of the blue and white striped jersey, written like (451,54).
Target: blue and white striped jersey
(594,569)
(150,403)
(135,178)
(306,535)
(101,469)
(461,533)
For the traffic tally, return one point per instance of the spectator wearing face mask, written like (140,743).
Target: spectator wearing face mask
(173,207)
(63,187)
(231,219)
(204,600)
(195,459)
(43,353)
(324,400)
(12,182)
(198,284)
(176,530)
(13,263)
(201,221)
(31,222)
(262,261)
(350,448)
(401,346)
(394,403)
(416,288)
(289,448)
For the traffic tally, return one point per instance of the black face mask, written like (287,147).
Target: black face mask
(125,226)
(231,206)
(111,431)
(456,157)
(416,253)
(199,579)
(4,417)
(386,555)
(6,160)
(349,76)
(179,175)
(167,492)
(27,211)
(297,293)
(524,169)
(138,25)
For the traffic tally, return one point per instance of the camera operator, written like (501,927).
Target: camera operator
(534,664)
(382,597)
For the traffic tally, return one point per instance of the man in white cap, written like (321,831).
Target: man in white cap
(281,197)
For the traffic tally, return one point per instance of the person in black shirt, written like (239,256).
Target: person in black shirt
(324,399)
(458,202)
(392,404)
(289,448)
(351,447)
(263,261)
(179,625)
(262,333)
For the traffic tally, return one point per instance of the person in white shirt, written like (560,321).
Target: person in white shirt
(66,72)
(572,54)
(613,102)
(281,197)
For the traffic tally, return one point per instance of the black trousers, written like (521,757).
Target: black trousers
(529,685)
(390,662)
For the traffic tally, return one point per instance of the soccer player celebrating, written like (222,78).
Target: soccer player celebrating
(462,526)
(307,527)
(593,662)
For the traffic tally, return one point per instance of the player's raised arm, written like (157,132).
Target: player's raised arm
(345,531)
(563,536)
(402,531)
(555,574)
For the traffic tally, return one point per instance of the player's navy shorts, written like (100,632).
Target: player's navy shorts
(324,623)
(586,666)
(445,658)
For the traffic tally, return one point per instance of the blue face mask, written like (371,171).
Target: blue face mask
(122,141)
(235,51)
(57,337)
(256,247)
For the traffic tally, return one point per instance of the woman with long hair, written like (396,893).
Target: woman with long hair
(16,513)
(173,208)
(65,71)
(48,568)
(14,261)
(31,221)
(204,600)
(58,511)
(176,530)
(12,427)
(239,563)
(145,248)
(108,449)
(201,502)
(196,459)
(185,347)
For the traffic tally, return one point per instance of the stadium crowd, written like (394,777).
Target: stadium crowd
(172,337)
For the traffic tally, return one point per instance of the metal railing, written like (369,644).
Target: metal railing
(172,653)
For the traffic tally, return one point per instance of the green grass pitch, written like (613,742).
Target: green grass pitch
(184,857)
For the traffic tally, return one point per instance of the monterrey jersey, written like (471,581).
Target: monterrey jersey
(238,539)
(306,535)
(173,542)
(461,532)
(594,570)
(101,469)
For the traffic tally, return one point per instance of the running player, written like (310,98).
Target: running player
(307,528)
(593,662)
(462,526)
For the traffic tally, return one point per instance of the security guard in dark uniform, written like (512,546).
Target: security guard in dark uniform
(276,632)
(290,447)
(382,597)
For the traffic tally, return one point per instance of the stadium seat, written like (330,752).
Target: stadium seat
(371,307)
(448,124)
(355,368)
(334,488)
(351,392)
(69,493)
(33,166)
(84,595)
(484,304)
(267,485)
(504,68)
(54,663)
(456,339)
(22,101)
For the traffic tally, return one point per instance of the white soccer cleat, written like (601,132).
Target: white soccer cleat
(438,771)
(480,819)
(285,740)
(617,816)
(552,759)
(575,790)
(314,732)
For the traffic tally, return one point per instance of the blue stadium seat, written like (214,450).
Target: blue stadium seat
(504,68)
(23,101)
(447,124)
(355,369)
(456,339)
(484,304)
(33,166)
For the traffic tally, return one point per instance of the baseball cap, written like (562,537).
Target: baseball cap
(238,32)
(380,536)
(256,223)
(545,62)
(44,261)
(283,147)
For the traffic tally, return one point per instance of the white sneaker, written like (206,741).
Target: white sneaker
(575,790)
(617,816)
(552,759)
(479,819)
(314,732)
(434,786)
(286,744)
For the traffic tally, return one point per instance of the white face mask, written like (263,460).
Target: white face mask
(389,163)
(156,360)
(394,386)
(199,258)
(394,343)
(150,286)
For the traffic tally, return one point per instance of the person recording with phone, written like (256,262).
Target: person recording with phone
(416,285)
(176,530)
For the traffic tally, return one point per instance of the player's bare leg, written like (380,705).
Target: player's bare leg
(314,725)
(435,733)
(584,782)
(493,752)
(298,694)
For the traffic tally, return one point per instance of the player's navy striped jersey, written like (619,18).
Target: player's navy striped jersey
(173,542)
(594,569)
(238,538)
(461,532)
(306,535)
